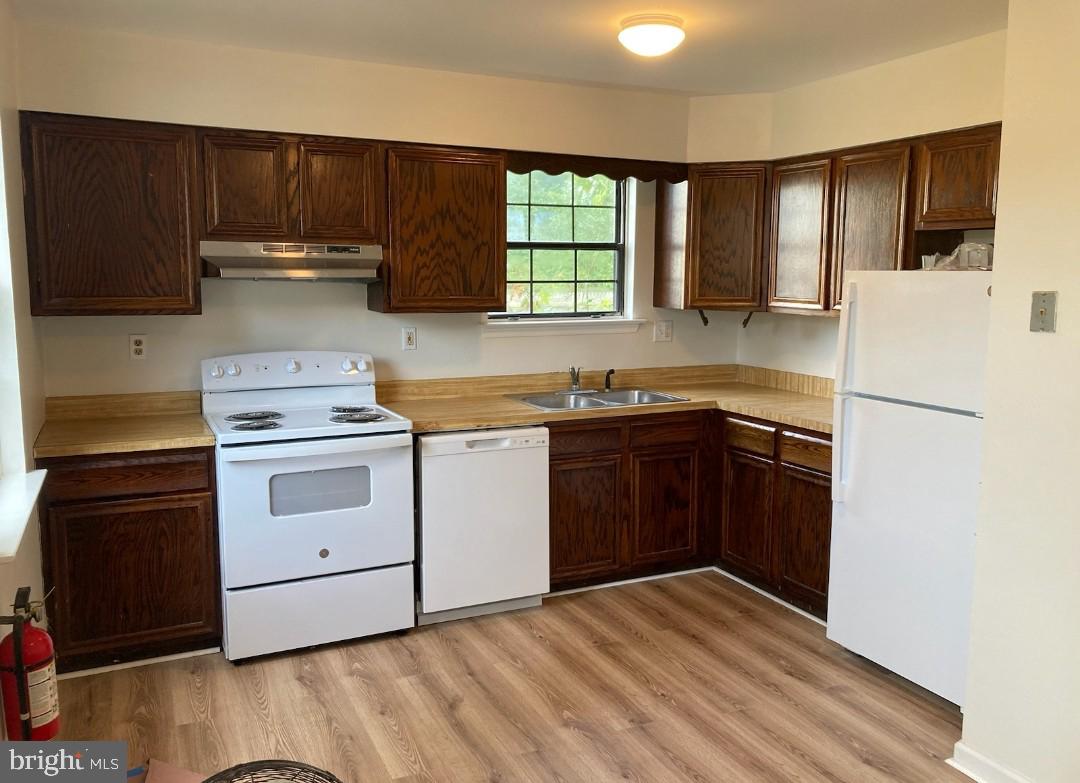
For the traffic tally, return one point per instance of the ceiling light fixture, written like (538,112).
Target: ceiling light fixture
(651,35)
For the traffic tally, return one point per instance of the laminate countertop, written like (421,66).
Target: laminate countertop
(75,437)
(486,411)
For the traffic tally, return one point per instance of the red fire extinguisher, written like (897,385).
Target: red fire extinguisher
(28,675)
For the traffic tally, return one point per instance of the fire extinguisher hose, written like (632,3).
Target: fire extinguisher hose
(22,607)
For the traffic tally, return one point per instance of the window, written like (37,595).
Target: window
(565,246)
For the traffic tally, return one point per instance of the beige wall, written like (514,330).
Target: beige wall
(20,380)
(951,87)
(1023,704)
(184,81)
(89,355)
(125,75)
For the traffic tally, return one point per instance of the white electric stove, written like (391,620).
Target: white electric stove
(315,500)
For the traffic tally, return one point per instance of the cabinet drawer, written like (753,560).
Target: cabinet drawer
(806,450)
(113,477)
(585,440)
(749,436)
(685,429)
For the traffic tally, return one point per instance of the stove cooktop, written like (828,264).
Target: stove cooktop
(322,421)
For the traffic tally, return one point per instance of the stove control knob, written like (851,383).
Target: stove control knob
(292,366)
(361,365)
(233,370)
(349,366)
(217,371)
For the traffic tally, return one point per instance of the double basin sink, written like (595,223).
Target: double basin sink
(580,400)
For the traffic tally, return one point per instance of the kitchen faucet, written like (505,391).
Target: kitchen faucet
(607,380)
(575,378)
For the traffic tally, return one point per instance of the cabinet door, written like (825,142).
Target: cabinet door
(726,225)
(748,483)
(133,575)
(586,519)
(247,184)
(108,216)
(798,259)
(664,512)
(870,195)
(447,230)
(341,191)
(958,175)
(803,525)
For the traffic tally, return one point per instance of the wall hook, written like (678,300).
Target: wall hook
(704,319)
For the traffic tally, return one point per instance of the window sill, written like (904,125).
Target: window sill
(544,327)
(18,494)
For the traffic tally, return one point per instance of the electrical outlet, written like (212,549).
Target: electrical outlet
(662,330)
(137,346)
(408,338)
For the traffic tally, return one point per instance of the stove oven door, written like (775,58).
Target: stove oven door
(307,508)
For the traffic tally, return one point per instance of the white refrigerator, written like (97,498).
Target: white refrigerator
(906,455)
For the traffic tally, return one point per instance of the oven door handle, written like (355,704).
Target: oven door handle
(314,448)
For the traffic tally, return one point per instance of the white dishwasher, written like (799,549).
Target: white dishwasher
(483,521)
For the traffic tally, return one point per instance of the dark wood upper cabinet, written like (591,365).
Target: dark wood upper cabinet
(447,232)
(710,233)
(247,185)
(108,215)
(957,179)
(271,186)
(870,200)
(341,191)
(798,260)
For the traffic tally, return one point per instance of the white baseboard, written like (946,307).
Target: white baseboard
(981,768)
(770,596)
(135,664)
(605,585)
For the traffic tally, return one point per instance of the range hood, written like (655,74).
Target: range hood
(292,260)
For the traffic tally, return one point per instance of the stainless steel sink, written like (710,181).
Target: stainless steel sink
(636,397)
(565,401)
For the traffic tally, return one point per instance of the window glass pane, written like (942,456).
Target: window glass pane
(594,224)
(553,265)
(553,297)
(597,191)
(517,224)
(551,224)
(596,265)
(517,264)
(552,188)
(517,297)
(595,297)
(517,188)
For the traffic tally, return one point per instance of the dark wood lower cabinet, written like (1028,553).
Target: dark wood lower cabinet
(803,511)
(776,519)
(624,498)
(134,572)
(748,484)
(586,500)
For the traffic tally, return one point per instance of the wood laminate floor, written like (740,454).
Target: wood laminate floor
(690,678)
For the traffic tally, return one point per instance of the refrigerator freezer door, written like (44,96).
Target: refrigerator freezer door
(903,541)
(915,336)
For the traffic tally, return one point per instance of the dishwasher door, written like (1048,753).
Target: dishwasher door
(483,517)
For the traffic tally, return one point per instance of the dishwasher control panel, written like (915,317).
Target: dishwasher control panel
(528,441)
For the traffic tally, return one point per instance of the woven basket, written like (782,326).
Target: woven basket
(272,772)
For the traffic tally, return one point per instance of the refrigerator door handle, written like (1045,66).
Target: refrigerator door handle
(847,326)
(839,480)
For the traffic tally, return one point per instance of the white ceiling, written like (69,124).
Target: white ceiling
(731,45)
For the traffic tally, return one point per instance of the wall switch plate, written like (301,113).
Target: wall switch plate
(137,346)
(408,338)
(661,331)
(1044,311)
